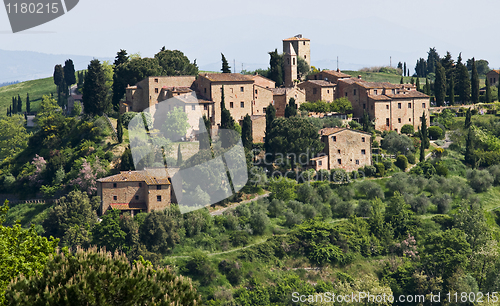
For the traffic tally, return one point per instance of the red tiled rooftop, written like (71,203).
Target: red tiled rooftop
(149,176)
(227,77)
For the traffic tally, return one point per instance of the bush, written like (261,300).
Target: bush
(363,209)
(402,162)
(440,169)
(495,172)
(411,158)
(387,164)
(345,209)
(370,190)
(369,170)
(380,169)
(375,144)
(443,203)
(346,192)
(480,180)
(407,129)
(127,117)
(435,132)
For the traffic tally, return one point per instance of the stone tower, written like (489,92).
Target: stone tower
(290,59)
(293,48)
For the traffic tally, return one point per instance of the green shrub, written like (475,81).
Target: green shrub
(435,132)
(411,158)
(380,169)
(408,129)
(387,164)
(402,162)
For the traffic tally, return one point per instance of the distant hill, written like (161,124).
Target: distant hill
(27,65)
(35,88)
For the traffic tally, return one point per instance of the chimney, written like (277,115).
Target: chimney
(338,69)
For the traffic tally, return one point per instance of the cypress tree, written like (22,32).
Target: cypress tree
(468,117)
(498,90)
(451,85)
(205,141)
(225,65)
(28,105)
(179,156)
(488,91)
(14,105)
(427,89)
(291,108)
(417,84)
(469,149)
(227,124)
(10,110)
(424,144)
(270,117)
(401,81)
(119,129)
(474,83)
(440,84)
(19,104)
(463,81)
(275,68)
(404,69)
(412,81)
(246,132)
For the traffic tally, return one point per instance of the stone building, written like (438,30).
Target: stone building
(390,105)
(281,97)
(317,90)
(135,191)
(148,92)
(329,76)
(493,76)
(294,47)
(344,149)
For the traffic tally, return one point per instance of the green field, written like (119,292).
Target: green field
(381,77)
(35,88)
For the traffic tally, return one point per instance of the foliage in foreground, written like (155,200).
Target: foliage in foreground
(98,278)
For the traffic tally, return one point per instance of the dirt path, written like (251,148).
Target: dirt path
(219,212)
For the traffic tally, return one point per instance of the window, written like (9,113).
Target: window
(242,104)
(409,119)
(156,80)
(364,105)
(136,197)
(328,91)
(399,120)
(114,185)
(409,105)
(242,89)
(375,92)
(394,91)
(231,105)
(362,139)
(315,91)
(354,92)
(115,198)
(158,187)
(264,109)
(387,106)
(293,61)
(357,161)
(304,45)
(156,90)
(423,105)
(158,198)
(338,151)
(140,184)
(204,90)
(320,162)
(193,107)
(305,56)
(339,161)
(346,94)
(387,121)
(205,107)
(399,105)
(363,152)
(334,138)
(256,91)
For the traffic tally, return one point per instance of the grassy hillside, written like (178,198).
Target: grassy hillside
(381,77)
(35,88)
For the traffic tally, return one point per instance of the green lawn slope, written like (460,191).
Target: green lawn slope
(35,88)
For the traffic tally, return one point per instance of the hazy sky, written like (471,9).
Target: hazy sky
(361,33)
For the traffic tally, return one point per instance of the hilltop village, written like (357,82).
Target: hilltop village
(269,187)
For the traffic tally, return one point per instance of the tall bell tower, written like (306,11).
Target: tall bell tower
(294,48)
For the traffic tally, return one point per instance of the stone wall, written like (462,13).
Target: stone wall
(347,147)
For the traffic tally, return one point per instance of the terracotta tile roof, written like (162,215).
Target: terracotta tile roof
(157,176)
(280,91)
(385,85)
(261,76)
(128,206)
(321,83)
(351,81)
(408,94)
(337,74)
(379,97)
(177,89)
(495,70)
(330,131)
(228,77)
(296,38)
